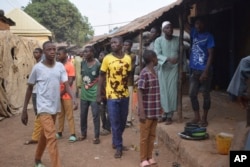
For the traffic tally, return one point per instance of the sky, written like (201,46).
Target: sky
(104,15)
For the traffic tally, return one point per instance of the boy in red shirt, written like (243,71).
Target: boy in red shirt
(66,101)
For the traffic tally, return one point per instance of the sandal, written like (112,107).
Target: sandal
(96,141)
(203,123)
(124,148)
(39,165)
(28,142)
(129,124)
(168,121)
(162,119)
(144,163)
(72,139)
(152,161)
(81,138)
(118,154)
(58,135)
(104,132)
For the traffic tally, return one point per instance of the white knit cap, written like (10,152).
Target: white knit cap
(165,23)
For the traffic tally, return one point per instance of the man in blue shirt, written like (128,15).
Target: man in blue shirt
(202,48)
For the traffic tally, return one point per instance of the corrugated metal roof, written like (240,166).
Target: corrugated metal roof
(143,22)
(140,23)
(25,24)
(98,38)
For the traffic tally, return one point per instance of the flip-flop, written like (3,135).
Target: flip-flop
(58,136)
(96,141)
(72,139)
(118,154)
(203,123)
(39,165)
(28,142)
(152,161)
(169,121)
(144,163)
(81,138)
(161,119)
(124,148)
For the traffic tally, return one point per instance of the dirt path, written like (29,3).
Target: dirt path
(79,154)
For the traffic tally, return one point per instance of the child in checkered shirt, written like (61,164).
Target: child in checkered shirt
(149,107)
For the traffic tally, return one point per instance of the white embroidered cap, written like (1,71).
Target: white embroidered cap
(165,23)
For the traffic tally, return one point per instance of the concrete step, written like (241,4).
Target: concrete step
(225,116)
(200,153)
(192,153)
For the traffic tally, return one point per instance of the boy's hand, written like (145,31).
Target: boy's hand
(98,99)
(75,105)
(142,120)
(173,60)
(24,117)
(142,117)
(204,76)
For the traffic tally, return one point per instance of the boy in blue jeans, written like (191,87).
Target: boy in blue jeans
(115,69)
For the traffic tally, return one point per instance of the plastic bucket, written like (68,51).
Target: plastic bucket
(223,142)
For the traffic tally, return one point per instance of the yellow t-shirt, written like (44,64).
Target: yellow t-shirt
(116,75)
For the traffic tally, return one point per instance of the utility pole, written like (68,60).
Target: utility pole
(110,14)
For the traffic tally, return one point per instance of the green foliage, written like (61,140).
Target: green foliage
(62,18)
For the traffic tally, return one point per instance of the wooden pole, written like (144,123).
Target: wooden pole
(140,50)
(180,67)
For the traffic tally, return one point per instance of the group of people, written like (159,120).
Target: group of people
(163,66)
(167,49)
(107,87)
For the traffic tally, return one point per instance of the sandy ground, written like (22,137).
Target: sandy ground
(79,154)
(223,117)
